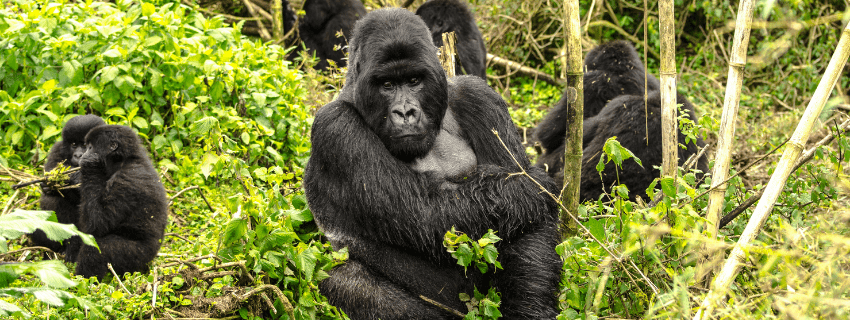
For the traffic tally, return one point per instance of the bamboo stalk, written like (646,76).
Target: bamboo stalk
(777,181)
(669,129)
(575,115)
(726,136)
(277,22)
(447,53)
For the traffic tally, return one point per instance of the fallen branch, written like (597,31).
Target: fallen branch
(526,71)
(274,289)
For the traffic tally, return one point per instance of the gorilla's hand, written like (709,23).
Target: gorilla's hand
(74,178)
(91,160)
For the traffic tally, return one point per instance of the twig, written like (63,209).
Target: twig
(180,193)
(263,32)
(109,265)
(9,203)
(9,253)
(201,191)
(274,289)
(153,299)
(806,157)
(208,12)
(523,70)
(442,306)
(587,231)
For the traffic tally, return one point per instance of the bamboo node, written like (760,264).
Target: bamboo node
(668,73)
(736,64)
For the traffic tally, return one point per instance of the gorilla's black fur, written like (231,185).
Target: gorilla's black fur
(322,20)
(124,205)
(65,202)
(613,69)
(443,16)
(623,117)
(365,195)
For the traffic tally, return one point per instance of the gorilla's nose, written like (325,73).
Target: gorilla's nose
(405,115)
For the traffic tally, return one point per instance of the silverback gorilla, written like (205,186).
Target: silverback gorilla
(65,202)
(124,205)
(368,192)
(443,16)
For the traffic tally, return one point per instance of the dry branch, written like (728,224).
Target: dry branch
(525,71)
(777,181)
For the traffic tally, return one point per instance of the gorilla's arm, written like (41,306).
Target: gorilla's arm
(369,193)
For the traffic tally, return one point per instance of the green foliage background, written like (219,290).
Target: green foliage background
(227,120)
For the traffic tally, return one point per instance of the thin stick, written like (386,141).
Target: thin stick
(109,265)
(777,181)
(442,306)
(577,222)
(170,201)
(526,71)
(808,155)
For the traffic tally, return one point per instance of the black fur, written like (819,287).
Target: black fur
(323,19)
(124,205)
(623,117)
(366,198)
(66,202)
(613,69)
(443,16)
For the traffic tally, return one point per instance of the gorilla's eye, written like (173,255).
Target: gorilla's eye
(414,80)
(388,85)
(73,145)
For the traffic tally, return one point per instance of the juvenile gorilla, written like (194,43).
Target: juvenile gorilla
(612,121)
(123,206)
(443,16)
(323,19)
(66,202)
(371,190)
(613,69)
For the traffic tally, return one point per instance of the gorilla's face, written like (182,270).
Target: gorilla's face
(400,89)
(77,148)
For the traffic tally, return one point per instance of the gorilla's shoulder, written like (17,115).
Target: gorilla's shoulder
(334,111)
(471,93)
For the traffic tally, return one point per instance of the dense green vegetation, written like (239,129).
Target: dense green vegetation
(227,122)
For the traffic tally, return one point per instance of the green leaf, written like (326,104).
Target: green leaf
(203,126)
(596,228)
(148,9)
(140,123)
(617,152)
(235,230)
(668,186)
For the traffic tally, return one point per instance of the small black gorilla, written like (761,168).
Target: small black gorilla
(613,69)
(323,19)
(66,202)
(623,117)
(443,16)
(372,187)
(124,205)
